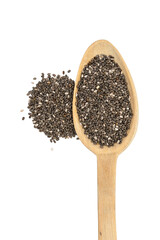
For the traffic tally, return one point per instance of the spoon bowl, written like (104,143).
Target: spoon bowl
(106,48)
(106,156)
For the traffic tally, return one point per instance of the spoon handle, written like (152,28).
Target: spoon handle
(106,166)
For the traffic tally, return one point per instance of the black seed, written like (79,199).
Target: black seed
(103,101)
(50,106)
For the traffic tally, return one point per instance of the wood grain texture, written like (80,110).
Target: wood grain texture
(106,171)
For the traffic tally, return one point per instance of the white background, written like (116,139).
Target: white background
(48,194)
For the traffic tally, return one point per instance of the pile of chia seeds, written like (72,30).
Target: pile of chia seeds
(103,101)
(50,106)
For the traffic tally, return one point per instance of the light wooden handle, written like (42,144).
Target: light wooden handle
(106,166)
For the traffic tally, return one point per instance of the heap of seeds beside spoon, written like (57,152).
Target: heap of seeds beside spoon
(50,106)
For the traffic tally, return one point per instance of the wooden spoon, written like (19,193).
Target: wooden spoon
(106,157)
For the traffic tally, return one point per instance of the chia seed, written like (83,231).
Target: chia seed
(103,101)
(50,106)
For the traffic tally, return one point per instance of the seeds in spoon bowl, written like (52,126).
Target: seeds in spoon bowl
(103,101)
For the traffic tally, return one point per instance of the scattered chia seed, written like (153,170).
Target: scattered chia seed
(22,110)
(23,118)
(50,106)
(63,72)
(69,71)
(34,78)
(103,101)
